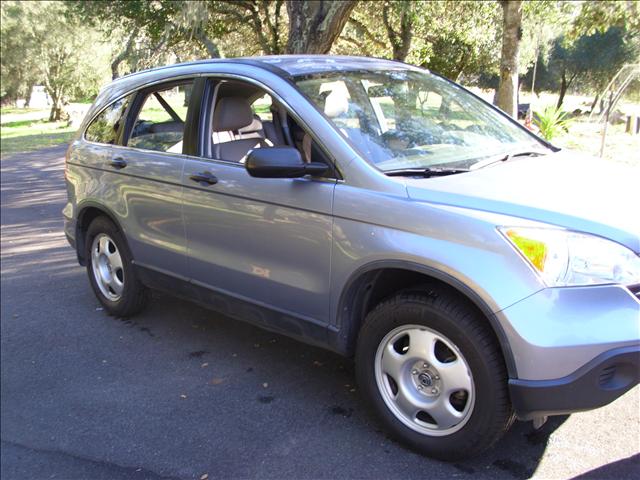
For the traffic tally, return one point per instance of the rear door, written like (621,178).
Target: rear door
(148,165)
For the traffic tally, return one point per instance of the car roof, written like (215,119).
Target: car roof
(296,65)
(292,65)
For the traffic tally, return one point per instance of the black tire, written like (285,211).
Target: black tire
(454,317)
(135,295)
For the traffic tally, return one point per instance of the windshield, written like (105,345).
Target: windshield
(406,119)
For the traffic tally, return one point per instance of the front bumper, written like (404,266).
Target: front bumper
(601,381)
(556,331)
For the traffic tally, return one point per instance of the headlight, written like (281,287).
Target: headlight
(565,258)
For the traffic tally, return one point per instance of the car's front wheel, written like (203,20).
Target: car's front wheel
(430,367)
(111,272)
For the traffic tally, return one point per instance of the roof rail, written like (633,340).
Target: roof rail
(242,61)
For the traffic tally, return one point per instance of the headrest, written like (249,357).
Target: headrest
(336,104)
(254,126)
(231,113)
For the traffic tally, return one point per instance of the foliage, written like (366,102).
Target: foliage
(19,71)
(552,121)
(588,62)
(454,38)
(66,56)
(576,44)
(601,15)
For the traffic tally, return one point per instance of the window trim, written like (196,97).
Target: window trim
(135,91)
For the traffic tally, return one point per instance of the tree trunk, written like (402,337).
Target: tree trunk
(595,102)
(212,49)
(563,89)
(27,97)
(506,96)
(315,24)
(400,41)
(123,55)
(57,109)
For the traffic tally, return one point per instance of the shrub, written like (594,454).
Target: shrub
(552,121)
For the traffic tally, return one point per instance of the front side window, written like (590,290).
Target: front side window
(104,128)
(161,119)
(406,119)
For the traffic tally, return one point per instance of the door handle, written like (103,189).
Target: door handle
(204,178)
(118,163)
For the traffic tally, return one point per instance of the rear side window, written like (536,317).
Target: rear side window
(161,119)
(104,128)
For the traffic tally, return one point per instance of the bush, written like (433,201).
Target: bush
(552,121)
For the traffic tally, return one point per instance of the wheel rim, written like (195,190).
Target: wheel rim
(106,264)
(424,380)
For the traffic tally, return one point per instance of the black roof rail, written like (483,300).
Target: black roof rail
(242,61)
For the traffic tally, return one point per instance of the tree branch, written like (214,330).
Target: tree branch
(362,29)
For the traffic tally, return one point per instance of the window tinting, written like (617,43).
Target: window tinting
(161,120)
(104,128)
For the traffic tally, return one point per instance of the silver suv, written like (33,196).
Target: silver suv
(475,272)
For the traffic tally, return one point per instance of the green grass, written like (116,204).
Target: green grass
(26,130)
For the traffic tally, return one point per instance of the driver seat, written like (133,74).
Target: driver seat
(230,115)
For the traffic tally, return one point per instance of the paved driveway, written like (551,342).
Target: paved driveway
(180,392)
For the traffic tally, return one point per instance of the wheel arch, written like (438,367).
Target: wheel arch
(373,282)
(87,212)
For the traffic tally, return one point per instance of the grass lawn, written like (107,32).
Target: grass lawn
(586,137)
(27,129)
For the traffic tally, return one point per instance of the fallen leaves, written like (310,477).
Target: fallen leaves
(216,381)
(204,476)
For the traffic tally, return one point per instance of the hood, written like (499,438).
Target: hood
(565,189)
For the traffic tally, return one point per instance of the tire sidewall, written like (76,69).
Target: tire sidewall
(102,225)
(486,383)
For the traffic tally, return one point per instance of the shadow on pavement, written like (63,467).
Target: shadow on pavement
(180,391)
(627,468)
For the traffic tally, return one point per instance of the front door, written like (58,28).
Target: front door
(267,241)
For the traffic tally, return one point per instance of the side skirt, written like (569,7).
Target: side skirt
(238,308)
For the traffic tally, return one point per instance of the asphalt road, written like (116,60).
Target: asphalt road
(179,392)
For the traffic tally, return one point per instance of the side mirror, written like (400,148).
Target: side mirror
(281,162)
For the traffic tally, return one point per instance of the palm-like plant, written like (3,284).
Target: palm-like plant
(552,121)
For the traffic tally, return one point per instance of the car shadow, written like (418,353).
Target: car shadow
(516,456)
(627,468)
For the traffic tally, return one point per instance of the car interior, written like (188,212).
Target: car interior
(245,117)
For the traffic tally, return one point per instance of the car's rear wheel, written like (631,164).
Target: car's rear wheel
(431,369)
(111,272)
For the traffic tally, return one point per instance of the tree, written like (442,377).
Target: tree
(566,63)
(453,38)
(601,15)
(62,53)
(461,39)
(507,94)
(399,39)
(19,69)
(315,24)
(591,60)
